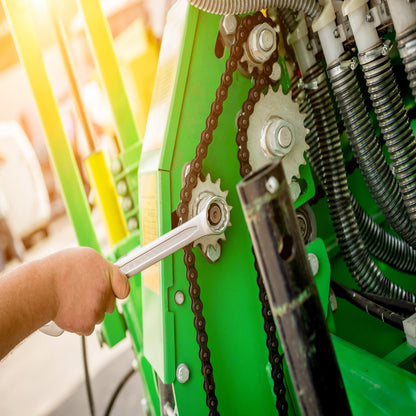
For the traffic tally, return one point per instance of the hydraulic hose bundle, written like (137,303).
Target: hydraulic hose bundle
(380,181)
(331,169)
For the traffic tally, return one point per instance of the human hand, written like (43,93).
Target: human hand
(85,286)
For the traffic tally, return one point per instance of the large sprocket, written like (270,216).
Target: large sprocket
(276,105)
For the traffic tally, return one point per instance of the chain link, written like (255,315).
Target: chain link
(190,182)
(262,81)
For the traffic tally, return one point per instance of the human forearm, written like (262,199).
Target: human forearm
(74,287)
(25,304)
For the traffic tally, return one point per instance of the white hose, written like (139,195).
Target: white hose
(311,7)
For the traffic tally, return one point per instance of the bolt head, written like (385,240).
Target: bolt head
(179,297)
(262,42)
(132,223)
(267,39)
(314,263)
(229,24)
(182,373)
(116,166)
(127,204)
(277,138)
(284,136)
(272,185)
(122,188)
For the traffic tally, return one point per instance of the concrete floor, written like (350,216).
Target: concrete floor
(44,375)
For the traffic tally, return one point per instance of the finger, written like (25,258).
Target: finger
(120,283)
(111,303)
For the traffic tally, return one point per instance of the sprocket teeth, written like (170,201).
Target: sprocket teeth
(204,188)
(276,104)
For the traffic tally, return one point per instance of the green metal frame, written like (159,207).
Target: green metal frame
(375,363)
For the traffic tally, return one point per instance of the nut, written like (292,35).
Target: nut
(277,138)
(262,42)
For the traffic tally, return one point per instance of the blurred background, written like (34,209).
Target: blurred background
(44,375)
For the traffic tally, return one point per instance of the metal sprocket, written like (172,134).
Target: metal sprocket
(205,189)
(271,105)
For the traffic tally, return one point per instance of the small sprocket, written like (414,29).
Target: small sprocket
(277,112)
(203,190)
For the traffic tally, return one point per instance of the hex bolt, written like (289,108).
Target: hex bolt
(266,39)
(272,185)
(277,138)
(229,23)
(179,297)
(262,42)
(284,136)
(182,373)
(314,263)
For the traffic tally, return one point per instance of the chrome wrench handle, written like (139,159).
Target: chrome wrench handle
(213,218)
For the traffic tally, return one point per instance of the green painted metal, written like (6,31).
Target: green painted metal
(374,386)
(103,51)
(113,328)
(26,40)
(231,306)
(376,363)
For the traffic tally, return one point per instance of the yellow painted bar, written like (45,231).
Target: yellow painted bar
(102,183)
(25,37)
(100,39)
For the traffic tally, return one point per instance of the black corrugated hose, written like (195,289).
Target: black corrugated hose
(327,159)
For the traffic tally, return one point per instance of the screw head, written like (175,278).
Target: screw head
(132,223)
(182,373)
(122,188)
(127,204)
(179,297)
(314,263)
(116,166)
(272,185)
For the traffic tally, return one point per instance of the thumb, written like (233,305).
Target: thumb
(120,283)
